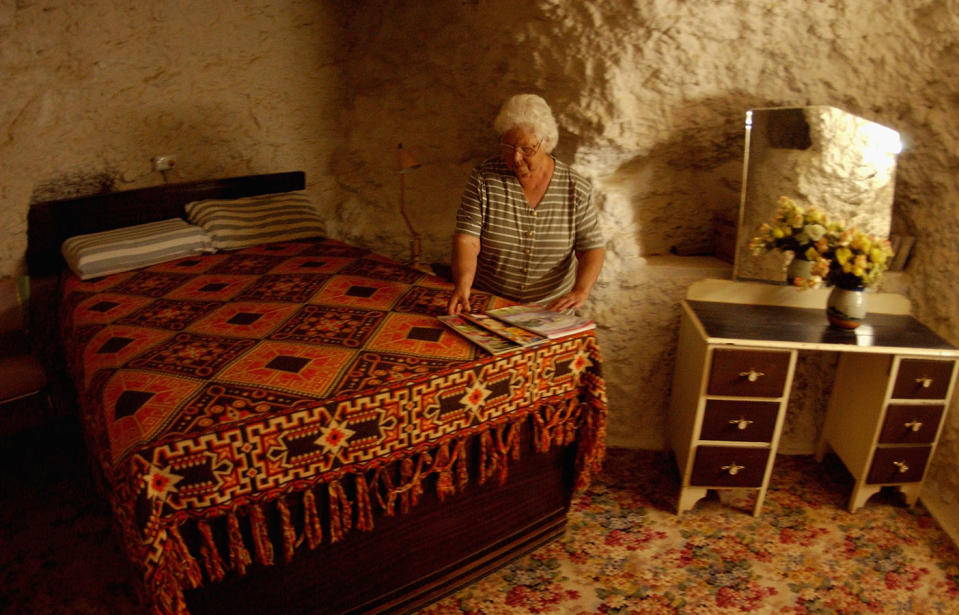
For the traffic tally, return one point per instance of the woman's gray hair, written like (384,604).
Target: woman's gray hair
(531,111)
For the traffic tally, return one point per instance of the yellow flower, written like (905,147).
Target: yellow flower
(815,215)
(842,255)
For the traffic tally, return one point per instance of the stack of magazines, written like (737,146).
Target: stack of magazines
(517,326)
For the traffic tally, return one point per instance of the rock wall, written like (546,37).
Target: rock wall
(650,96)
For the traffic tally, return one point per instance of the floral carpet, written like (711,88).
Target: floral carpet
(624,552)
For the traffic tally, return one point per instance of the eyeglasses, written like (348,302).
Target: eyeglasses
(527,151)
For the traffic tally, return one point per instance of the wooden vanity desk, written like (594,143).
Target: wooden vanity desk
(738,344)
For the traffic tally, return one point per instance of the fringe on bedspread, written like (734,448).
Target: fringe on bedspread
(239,538)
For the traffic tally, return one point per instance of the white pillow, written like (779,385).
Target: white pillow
(132,247)
(240,223)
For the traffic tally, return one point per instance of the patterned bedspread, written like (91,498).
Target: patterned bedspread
(230,387)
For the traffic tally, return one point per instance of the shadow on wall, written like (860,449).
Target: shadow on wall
(675,188)
(206,140)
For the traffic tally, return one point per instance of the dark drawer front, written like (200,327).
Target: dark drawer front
(739,421)
(922,379)
(898,465)
(748,373)
(729,466)
(910,424)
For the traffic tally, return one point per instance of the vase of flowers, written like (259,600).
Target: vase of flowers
(842,257)
(846,307)
(852,262)
(795,230)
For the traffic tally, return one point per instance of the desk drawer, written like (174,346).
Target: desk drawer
(922,379)
(748,373)
(898,465)
(729,466)
(739,421)
(910,424)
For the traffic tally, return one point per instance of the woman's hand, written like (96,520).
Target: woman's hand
(588,266)
(571,300)
(459,302)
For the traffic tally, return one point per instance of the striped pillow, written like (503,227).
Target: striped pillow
(254,220)
(132,247)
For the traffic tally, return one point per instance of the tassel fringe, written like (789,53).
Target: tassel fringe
(184,566)
(239,556)
(575,421)
(364,509)
(261,537)
(286,525)
(212,562)
(311,520)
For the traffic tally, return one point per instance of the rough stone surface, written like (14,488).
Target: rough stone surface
(650,96)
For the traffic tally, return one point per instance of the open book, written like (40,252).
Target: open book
(539,320)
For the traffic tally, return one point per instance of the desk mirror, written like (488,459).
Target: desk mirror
(817,155)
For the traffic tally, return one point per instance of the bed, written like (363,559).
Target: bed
(286,427)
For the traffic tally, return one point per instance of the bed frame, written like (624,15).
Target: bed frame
(407,560)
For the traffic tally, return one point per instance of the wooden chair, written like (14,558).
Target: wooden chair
(23,380)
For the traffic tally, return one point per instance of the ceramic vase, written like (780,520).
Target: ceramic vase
(798,268)
(846,307)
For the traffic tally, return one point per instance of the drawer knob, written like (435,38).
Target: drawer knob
(903,467)
(733,469)
(914,425)
(925,382)
(752,375)
(741,423)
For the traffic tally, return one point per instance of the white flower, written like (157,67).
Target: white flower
(814,231)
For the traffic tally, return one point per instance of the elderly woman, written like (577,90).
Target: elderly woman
(525,229)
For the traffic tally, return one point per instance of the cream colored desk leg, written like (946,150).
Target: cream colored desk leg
(860,493)
(911,493)
(688,496)
(760,497)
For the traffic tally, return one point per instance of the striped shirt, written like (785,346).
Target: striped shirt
(526,254)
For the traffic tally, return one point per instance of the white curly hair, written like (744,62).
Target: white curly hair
(531,111)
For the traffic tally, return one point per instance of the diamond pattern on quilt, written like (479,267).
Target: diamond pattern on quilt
(245,319)
(212,287)
(74,284)
(170,314)
(246,263)
(286,248)
(418,334)
(112,346)
(382,270)
(106,308)
(360,292)
(312,264)
(151,283)
(291,287)
(190,354)
(321,324)
(323,366)
(149,401)
(374,369)
(433,301)
(190,264)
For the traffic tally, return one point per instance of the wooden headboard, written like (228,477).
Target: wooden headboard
(51,222)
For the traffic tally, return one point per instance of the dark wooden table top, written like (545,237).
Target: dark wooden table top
(807,326)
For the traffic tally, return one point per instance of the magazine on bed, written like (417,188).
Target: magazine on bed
(484,338)
(511,332)
(541,321)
